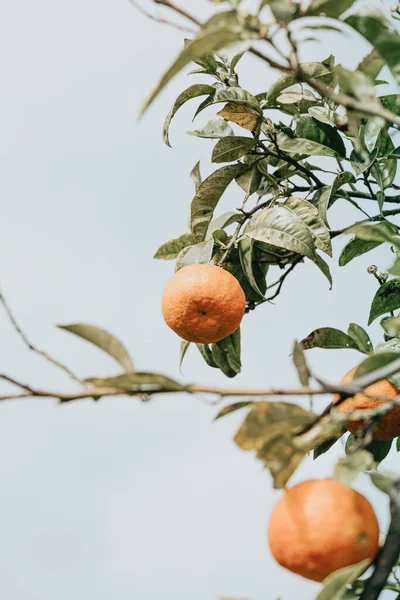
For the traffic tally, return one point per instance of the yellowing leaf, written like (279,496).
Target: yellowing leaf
(239,114)
(269,429)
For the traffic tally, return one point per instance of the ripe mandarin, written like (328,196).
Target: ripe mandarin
(203,303)
(389,425)
(319,526)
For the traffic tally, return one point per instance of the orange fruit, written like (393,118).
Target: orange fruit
(203,303)
(320,526)
(389,425)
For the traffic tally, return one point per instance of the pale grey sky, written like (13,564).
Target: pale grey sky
(118,499)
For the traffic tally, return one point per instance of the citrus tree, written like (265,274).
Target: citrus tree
(319,135)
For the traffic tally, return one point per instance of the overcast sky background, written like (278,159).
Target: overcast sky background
(118,499)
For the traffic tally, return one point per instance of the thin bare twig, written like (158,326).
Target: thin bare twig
(160,20)
(178,10)
(385,213)
(280,283)
(28,343)
(23,386)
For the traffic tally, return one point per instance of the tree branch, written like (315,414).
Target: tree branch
(385,213)
(13,381)
(160,20)
(352,103)
(292,161)
(354,387)
(390,199)
(390,552)
(325,91)
(281,281)
(179,10)
(32,347)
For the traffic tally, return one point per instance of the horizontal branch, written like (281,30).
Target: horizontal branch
(351,388)
(385,213)
(357,194)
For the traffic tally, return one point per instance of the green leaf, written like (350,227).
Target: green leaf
(327,445)
(356,247)
(313,70)
(376,232)
(391,102)
(171,249)
(347,469)
(259,269)
(324,268)
(389,346)
(250,180)
(386,299)
(184,348)
(138,382)
(284,11)
(379,450)
(315,131)
(235,60)
(294,95)
(221,222)
(206,353)
(352,444)
(323,114)
(203,105)
(304,146)
(237,95)
(328,193)
(208,40)
(379,31)
(301,364)
(391,326)
(372,131)
(361,338)
(200,253)
(232,148)
(103,340)
(398,444)
(375,361)
(335,585)
(193,91)
(207,61)
(330,8)
(214,129)
(329,338)
(362,163)
(246,252)
(227,410)
(384,170)
(195,175)
(358,85)
(309,214)
(226,354)
(383,480)
(207,198)
(395,268)
(282,228)
(371,64)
